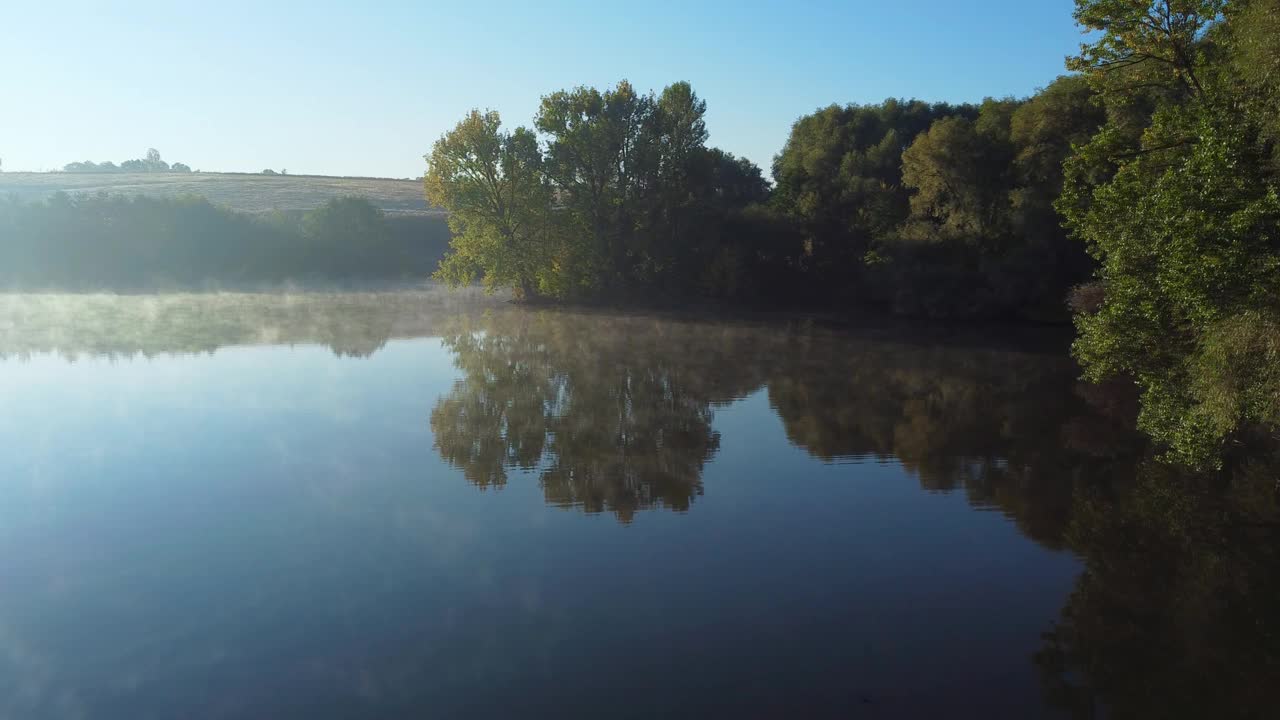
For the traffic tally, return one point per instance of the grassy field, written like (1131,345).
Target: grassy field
(239,191)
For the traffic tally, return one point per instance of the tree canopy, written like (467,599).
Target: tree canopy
(1179,204)
(612,193)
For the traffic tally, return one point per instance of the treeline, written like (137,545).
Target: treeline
(929,210)
(152,163)
(938,210)
(111,242)
(1152,171)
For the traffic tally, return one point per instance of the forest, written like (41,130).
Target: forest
(1137,194)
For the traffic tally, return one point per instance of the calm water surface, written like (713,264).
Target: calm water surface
(389,506)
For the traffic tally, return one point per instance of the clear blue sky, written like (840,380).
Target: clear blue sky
(364,88)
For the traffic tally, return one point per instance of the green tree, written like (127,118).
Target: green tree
(674,143)
(1161,37)
(599,157)
(1044,130)
(1184,219)
(960,171)
(499,204)
(627,198)
(840,176)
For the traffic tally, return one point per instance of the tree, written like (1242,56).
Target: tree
(1184,219)
(153,163)
(499,205)
(733,181)
(1161,39)
(1255,59)
(840,176)
(598,156)
(672,142)
(626,197)
(960,171)
(1044,130)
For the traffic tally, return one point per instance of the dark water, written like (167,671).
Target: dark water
(392,507)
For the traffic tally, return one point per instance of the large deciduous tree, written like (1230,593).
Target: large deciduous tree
(598,156)
(1182,213)
(491,183)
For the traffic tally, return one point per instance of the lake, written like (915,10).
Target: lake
(427,505)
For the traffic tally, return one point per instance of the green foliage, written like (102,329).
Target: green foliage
(1184,220)
(1160,39)
(492,184)
(960,171)
(938,210)
(1045,129)
(840,175)
(628,200)
(1254,38)
(623,197)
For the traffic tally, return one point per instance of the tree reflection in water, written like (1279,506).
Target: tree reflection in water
(1010,427)
(1177,613)
(613,412)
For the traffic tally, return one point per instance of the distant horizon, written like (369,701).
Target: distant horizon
(342,91)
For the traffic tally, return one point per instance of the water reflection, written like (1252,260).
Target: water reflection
(1176,612)
(614,413)
(1011,427)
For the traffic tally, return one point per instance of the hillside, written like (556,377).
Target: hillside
(239,191)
